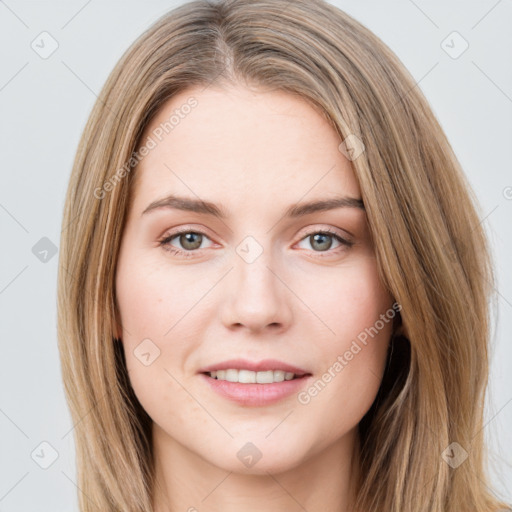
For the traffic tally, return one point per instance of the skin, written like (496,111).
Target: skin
(255,153)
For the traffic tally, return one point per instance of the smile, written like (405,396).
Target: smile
(256,394)
(250,377)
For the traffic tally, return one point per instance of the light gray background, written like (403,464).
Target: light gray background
(44,105)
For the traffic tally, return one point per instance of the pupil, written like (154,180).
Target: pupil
(187,240)
(320,235)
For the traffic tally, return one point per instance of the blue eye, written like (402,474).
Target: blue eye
(191,241)
(323,241)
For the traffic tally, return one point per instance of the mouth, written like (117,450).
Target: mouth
(255,383)
(267,371)
(252,377)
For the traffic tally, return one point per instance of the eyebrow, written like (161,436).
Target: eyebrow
(294,211)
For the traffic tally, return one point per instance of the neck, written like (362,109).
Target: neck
(185,481)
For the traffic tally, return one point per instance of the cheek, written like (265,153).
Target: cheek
(366,329)
(152,299)
(358,309)
(160,331)
(352,302)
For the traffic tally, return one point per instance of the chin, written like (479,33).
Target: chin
(267,463)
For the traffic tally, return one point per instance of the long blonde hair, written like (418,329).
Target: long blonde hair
(430,247)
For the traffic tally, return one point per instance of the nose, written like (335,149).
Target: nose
(257,296)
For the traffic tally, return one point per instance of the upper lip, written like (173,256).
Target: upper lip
(255,366)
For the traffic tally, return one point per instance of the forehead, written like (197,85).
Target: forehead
(242,147)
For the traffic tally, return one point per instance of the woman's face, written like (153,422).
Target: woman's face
(198,286)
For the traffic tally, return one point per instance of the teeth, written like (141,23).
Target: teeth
(249,377)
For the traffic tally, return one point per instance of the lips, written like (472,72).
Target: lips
(260,366)
(256,395)
(259,394)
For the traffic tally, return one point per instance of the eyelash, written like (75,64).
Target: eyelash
(165,242)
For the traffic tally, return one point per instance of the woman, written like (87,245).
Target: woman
(217,356)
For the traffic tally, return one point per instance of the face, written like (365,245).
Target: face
(243,279)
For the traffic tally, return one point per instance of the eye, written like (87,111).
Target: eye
(322,240)
(191,241)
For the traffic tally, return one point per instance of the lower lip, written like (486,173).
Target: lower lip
(256,394)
